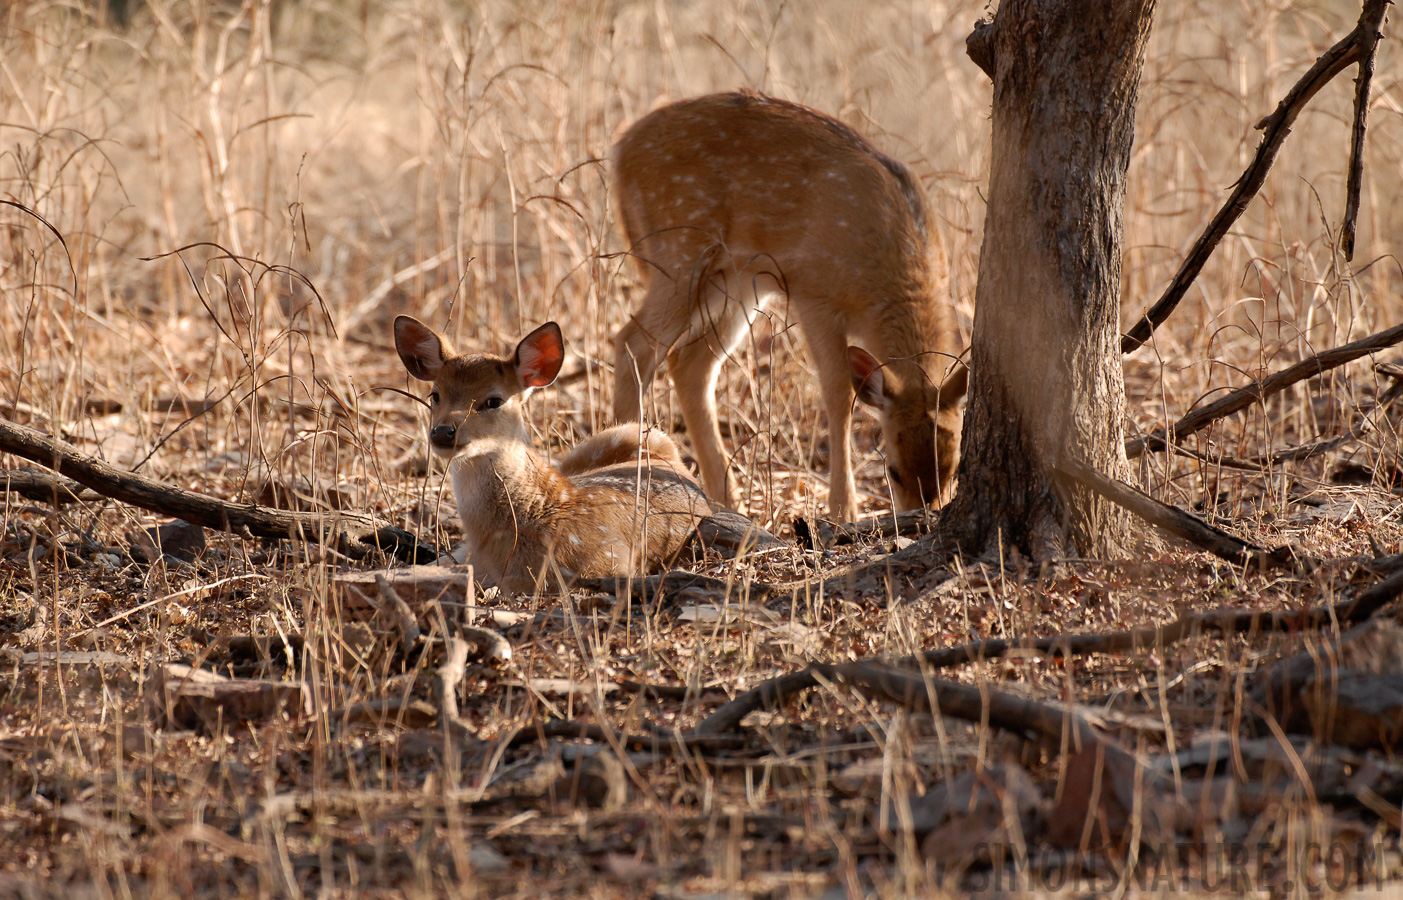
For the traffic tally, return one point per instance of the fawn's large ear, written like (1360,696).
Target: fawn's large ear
(867,377)
(539,356)
(421,349)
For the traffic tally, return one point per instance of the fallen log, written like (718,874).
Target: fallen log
(353,534)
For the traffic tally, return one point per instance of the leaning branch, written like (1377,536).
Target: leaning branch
(1259,391)
(1370,23)
(1325,445)
(354,535)
(1181,524)
(1274,128)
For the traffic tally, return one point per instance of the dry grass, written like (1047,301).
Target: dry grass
(248,194)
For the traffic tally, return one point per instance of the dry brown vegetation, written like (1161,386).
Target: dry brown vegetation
(214,211)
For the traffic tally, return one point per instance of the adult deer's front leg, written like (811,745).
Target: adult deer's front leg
(830,359)
(694,367)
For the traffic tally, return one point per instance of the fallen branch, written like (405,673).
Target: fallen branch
(911,523)
(1178,522)
(1106,787)
(1349,50)
(773,693)
(1303,451)
(662,742)
(1155,637)
(1325,445)
(354,535)
(1259,391)
(769,694)
(44,487)
(677,692)
(732,535)
(188,697)
(973,703)
(672,583)
(1363,607)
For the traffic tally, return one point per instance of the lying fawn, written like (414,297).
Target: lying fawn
(731,201)
(620,504)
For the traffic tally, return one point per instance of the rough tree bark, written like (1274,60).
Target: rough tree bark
(1046,380)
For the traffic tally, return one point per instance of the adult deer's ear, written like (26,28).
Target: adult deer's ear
(867,378)
(421,349)
(539,356)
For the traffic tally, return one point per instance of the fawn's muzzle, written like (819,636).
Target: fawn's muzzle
(443,436)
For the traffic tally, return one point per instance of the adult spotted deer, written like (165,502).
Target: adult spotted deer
(732,202)
(621,502)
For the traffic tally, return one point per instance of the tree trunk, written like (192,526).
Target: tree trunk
(1046,380)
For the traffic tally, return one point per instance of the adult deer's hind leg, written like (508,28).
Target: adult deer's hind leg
(661,319)
(717,328)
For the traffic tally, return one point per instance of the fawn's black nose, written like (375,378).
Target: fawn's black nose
(442,435)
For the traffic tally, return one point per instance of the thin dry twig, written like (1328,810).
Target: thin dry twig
(1258,391)
(1275,127)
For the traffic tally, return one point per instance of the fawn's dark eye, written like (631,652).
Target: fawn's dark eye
(490,403)
(433,398)
(895,475)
